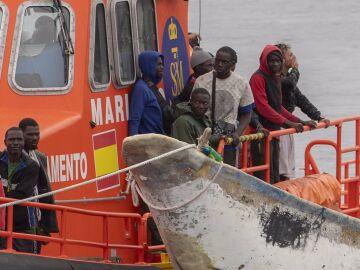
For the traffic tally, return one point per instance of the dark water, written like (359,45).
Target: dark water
(325,36)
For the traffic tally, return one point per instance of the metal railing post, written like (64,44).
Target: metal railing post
(245,147)
(106,238)
(267,159)
(9,240)
(346,185)
(338,150)
(62,232)
(357,164)
(142,238)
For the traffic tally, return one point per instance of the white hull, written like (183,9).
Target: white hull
(239,222)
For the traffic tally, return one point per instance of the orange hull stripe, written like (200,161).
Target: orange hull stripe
(103,140)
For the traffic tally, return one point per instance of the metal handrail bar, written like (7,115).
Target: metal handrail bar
(350,179)
(350,149)
(348,162)
(64,240)
(91,200)
(278,133)
(351,183)
(72,209)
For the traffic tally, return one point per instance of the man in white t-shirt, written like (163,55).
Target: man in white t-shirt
(233,94)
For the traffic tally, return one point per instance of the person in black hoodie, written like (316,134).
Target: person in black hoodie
(19,175)
(292,98)
(47,222)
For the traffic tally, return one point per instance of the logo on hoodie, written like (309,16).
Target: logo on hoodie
(176,62)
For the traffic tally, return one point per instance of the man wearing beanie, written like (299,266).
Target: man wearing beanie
(266,87)
(201,62)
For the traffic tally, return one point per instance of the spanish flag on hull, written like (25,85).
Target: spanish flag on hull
(106,159)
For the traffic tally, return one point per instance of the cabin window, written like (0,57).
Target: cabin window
(124,60)
(43,51)
(146,24)
(4,20)
(99,61)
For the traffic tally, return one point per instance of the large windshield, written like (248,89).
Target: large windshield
(42,61)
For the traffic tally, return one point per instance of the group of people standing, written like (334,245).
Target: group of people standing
(215,96)
(23,173)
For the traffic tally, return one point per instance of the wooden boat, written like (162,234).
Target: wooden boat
(80,99)
(71,66)
(214,216)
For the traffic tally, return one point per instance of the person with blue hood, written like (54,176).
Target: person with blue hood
(146,113)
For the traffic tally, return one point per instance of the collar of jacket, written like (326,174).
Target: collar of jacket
(5,159)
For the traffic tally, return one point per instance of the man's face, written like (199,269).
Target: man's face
(31,137)
(200,104)
(223,64)
(14,142)
(204,67)
(274,63)
(288,57)
(159,68)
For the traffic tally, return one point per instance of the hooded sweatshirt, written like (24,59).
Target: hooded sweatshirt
(188,127)
(145,115)
(266,88)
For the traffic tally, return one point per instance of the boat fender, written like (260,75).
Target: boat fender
(323,189)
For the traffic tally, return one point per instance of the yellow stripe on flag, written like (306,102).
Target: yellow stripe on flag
(106,160)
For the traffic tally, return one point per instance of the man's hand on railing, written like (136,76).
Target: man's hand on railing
(235,139)
(298,126)
(261,129)
(311,123)
(326,121)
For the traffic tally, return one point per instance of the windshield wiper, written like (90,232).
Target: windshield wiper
(69,47)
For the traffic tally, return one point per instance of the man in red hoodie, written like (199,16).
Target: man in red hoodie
(266,87)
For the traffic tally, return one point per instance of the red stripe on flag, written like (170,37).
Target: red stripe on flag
(104,139)
(107,183)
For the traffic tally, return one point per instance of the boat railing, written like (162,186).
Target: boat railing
(147,247)
(62,239)
(350,184)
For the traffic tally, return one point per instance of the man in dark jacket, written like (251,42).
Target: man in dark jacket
(19,174)
(191,123)
(292,98)
(266,87)
(48,222)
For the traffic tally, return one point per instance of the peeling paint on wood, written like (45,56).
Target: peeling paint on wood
(240,222)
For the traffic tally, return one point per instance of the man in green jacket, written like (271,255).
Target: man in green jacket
(192,121)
